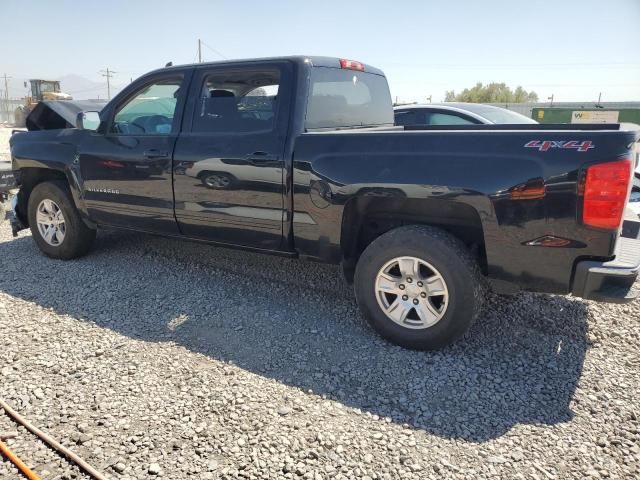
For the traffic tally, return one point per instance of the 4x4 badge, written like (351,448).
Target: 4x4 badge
(544,145)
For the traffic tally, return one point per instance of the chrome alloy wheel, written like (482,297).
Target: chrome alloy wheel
(51,223)
(217,181)
(411,292)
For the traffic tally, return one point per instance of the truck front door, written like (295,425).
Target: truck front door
(127,170)
(228,164)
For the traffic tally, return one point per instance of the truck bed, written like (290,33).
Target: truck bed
(513,183)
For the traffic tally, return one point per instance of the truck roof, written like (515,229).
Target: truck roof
(314,61)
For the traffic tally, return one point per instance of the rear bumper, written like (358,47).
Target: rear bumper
(612,281)
(597,281)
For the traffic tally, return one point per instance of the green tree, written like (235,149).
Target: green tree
(492,93)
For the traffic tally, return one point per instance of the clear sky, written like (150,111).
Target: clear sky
(573,49)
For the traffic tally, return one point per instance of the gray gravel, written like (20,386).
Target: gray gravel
(5,134)
(154,358)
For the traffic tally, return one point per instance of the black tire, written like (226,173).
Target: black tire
(450,257)
(78,238)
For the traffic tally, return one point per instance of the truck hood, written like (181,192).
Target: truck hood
(54,115)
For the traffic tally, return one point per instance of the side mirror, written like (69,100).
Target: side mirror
(88,121)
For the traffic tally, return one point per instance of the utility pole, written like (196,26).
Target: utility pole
(199,51)
(429,98)
(6,85)
(6,96)
(108,73)
(551,98)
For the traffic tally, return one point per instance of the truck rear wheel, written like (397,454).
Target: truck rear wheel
(419,287)
(55,223)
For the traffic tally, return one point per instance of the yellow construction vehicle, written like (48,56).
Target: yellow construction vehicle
(41,90)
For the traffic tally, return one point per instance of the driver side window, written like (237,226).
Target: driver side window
(150,111)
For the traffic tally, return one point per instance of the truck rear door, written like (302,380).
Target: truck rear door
(229,161)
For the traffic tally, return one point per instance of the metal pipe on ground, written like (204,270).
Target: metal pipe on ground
(20,465)
(65,452)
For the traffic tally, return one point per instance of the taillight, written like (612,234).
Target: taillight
(606,190)
(351,65)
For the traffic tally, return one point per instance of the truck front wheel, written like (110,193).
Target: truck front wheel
(55,223)
(419,287)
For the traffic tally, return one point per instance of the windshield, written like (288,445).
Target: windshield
(49,87)
(346,98)
(499,115)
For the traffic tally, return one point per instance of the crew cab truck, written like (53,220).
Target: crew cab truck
(299,157)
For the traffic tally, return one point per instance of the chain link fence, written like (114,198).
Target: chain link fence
(7,108)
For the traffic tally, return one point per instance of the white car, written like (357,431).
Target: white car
(457,113)
(634,203)
(224,174)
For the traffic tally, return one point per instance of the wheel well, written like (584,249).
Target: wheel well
(29,178)
(366,218)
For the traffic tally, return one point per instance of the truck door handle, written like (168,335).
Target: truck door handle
(260,158)
(153,153)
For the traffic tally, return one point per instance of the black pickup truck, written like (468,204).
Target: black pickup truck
(299,157)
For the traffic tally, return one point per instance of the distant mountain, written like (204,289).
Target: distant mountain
(81,88)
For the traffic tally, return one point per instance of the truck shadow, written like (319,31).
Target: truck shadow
(297,323)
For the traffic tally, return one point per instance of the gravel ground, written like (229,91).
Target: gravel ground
(5,133)
(157,358)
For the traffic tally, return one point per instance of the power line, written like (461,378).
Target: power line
(212,49)
(580,85)
(87,89)
(108,73)
(514,65)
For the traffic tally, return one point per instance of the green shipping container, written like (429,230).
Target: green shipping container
(593,115)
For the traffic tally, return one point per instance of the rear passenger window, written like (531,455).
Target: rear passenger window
(237,101)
